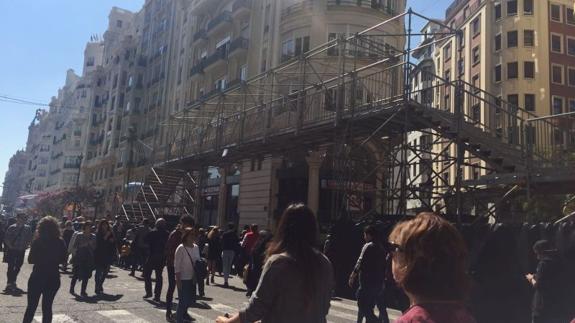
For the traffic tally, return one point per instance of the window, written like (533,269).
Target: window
(571,105)
(512,72)
(244,73)
(476,55)
(513,100)
(287,50)
(497,11)
(556,43)
(498,73)
(119,23)
(332,51)
(555,12)
(570,46)
(571,76)
(512,39)
(497,42)
(447,52)
(475,81)
(220,84)
(301,45)
(529,70)
(528,7)
(512,7)
(557,105)
(530,102)
(557,74)
(476,113)
(570,16)
(528,38)
(476,26)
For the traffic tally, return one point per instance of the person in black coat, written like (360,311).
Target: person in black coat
(156,241)
(104,255)
(550,302)
(48,251)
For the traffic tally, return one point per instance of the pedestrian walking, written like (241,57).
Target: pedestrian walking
(156,240)
(250,239)
(550,301)
(174,240)
(429,263)
(47,252)
(104,255)
(187,254)
(370,267)
(297,279)
(214,253)
(67,234)
(257,260)
(119,232)
(230,243)
(82,247)
(17,238)
(139,247)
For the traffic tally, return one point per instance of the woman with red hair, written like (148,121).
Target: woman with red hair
(429,264)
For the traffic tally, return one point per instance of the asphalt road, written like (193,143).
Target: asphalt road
(123,302)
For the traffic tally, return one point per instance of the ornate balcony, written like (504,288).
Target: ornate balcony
(221,19)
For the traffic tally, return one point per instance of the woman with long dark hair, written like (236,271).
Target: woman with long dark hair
(47,252)
(297,279)
(104,255)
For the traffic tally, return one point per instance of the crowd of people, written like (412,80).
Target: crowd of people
(287,277)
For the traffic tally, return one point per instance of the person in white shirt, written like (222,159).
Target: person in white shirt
(186,256)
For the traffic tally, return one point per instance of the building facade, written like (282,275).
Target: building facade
(13,185)
(520,51)
(152,64)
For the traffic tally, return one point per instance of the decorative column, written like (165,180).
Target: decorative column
(222,198)
(314,161)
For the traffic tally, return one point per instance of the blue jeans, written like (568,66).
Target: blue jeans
(227,260)
(187,296)
(100,276)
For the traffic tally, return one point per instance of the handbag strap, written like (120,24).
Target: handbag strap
(191,260)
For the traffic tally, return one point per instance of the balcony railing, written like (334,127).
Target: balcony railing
(225,16)
(220,54)
(240,5)
(304,5)
(238,43)
(74,165)
(200,35)
(390,7)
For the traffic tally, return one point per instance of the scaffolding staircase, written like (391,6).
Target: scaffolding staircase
(156,196)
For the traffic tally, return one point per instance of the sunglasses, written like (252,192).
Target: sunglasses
(394,247)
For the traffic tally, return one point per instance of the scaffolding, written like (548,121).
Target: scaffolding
(355,93)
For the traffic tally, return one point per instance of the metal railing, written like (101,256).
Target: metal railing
(225,16)
(541,139)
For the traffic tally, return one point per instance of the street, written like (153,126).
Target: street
(123,302)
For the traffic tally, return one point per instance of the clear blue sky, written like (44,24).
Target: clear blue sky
(42,39)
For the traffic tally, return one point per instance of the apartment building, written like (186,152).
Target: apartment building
(222,44)
(520,51)
(13,185)
(419,156)
(170,55)
(116,107)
